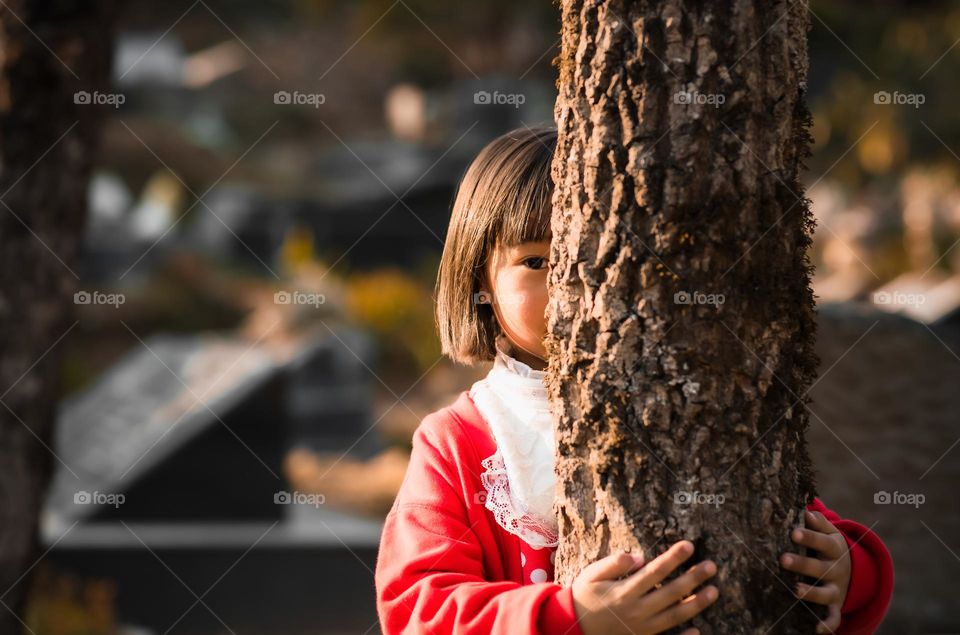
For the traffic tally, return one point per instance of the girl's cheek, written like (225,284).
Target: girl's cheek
(534,312)
(513,302)
(520,308)
(524,301)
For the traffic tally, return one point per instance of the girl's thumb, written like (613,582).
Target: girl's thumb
(613,566)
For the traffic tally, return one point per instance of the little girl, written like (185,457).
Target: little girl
(468,545)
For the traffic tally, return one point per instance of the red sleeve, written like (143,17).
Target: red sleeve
(871,577)
(430,574)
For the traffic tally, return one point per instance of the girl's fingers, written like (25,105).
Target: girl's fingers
(832,622)
(818,521)
(677,589)
(658,568)
(612,567)
(817,540)
(826,594)
(807,566)
(683,611)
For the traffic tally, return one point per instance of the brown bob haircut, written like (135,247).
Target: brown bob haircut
(503,199)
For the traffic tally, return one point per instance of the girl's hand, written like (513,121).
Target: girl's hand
(621,595)
(831,567)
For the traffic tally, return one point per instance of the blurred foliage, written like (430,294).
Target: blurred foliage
(432,43)
(398,309)
(297,249)
(62,604)
(860,49)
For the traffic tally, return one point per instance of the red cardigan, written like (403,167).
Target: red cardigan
(446,566)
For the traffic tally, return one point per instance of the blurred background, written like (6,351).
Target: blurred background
(254,339)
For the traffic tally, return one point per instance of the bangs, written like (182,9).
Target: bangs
(524,202)
(526,219)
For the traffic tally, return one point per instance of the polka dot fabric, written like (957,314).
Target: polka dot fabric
(537,563)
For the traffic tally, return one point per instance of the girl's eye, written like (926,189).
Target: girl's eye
(535,262)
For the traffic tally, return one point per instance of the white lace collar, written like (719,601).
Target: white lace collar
(519,477)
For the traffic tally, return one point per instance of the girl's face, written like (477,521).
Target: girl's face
(517,279)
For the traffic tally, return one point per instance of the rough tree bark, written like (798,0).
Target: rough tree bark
(48,51)
(682,131)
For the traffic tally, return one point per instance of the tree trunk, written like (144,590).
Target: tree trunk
(48,52)
(681,321)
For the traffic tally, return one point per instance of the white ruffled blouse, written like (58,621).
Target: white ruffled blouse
(519,477)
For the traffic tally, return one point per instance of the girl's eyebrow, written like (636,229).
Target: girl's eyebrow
(532,244)
(527,248)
